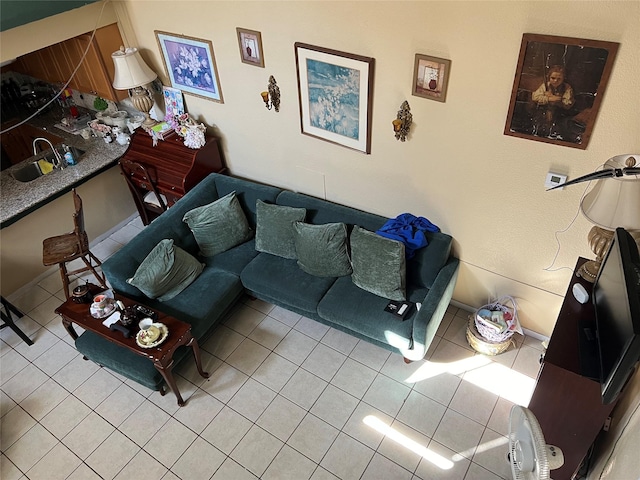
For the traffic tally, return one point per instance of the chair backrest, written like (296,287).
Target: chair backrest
(129,168)
(78,222)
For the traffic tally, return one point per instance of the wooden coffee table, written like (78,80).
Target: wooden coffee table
(161,356)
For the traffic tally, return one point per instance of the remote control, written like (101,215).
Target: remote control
(147,312)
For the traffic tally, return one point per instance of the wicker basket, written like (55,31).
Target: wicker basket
(486,330)
(481,344)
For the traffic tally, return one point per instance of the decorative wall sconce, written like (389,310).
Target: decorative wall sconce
(273,94)
(402,124)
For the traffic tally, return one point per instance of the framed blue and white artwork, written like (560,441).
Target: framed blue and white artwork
(336,96)
(191,65)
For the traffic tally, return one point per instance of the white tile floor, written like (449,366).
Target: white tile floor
(288,398)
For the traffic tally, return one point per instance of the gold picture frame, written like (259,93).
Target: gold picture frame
(250,43)
(431,77)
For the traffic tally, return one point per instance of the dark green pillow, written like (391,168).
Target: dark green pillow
(274,228)
(166,271)
(322,249)
(378,264)
(219,226)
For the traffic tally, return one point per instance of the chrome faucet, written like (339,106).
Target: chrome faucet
(58,162)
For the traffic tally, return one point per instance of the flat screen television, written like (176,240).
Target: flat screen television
(616,297)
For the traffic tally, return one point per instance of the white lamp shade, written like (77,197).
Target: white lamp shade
(131,71)
(614,202)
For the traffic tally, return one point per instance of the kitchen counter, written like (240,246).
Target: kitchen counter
(18,199)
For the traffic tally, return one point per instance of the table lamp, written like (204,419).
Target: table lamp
(612,202)
(133,74)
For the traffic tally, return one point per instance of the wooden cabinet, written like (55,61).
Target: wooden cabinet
(169,169)
(56,63)
(567,401)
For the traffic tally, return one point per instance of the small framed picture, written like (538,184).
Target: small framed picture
(190,64)
(431,77)
(250,43)
(173,101)
(558,88)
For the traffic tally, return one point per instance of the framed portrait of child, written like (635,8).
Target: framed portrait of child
(558,88)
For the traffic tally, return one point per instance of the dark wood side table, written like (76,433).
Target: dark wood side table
(161,356)
(566,401)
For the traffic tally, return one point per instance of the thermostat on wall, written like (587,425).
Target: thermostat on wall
(554,179)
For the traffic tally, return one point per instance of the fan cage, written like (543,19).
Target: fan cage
(524,425)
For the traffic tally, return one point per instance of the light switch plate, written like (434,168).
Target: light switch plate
(554,179)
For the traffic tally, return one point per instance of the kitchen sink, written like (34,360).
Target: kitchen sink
(29,172)
(32,170)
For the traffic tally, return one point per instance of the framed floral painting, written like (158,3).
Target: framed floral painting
(431,77)
(336,95)
(191,65)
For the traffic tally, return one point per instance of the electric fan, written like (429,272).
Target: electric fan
(530,457)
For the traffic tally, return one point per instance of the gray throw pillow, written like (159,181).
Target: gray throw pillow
(274,228)
(322,249)
(378,264)
(219,226)
(166,271)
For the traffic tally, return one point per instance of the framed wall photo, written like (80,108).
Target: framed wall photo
(431,77)
(335,90)
(250,43)
(558,88)
(190,65)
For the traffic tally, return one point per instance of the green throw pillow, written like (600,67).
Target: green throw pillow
(166,271)
(322,249)
(378,264)
(219,226)
(274,228)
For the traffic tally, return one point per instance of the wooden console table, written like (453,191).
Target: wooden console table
(566,402)
(168,170)
(161,356)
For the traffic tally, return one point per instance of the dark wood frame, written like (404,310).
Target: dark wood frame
(588,65)
(213,69)
(242,33)
(444,69)
(365,65)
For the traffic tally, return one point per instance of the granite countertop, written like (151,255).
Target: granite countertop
(18,199)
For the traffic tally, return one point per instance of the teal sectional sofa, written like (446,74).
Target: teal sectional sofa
(227,276)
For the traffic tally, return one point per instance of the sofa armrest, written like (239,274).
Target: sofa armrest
(434,306)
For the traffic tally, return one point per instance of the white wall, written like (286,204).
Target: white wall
(457,168)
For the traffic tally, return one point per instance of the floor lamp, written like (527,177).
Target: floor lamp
(132,74)
(612,202)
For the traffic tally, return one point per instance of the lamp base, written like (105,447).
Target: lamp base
(142,100)
(589,270)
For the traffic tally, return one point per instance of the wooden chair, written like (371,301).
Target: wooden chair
(71,246)
(149,201)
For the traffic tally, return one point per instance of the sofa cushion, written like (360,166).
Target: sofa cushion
(322,249)
(277,277)
(274,228)
(247,193)
(219,226)
(363,312)
(378,264)
(206,301)
(234,259)
(166,271)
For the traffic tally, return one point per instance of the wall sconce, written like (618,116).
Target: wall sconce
(273,94)
(402,124)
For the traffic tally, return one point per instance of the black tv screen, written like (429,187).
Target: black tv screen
(616,297)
